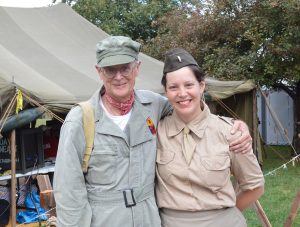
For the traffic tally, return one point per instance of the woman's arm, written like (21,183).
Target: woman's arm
(249,177)
(245,198)
(247,172)
(243,144)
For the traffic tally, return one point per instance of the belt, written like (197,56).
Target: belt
(128,196)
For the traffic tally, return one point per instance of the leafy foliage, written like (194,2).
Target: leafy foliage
(237,39)
(231,39)
(133,18)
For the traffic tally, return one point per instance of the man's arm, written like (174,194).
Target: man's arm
(167,108)
(72,205)
(242,144)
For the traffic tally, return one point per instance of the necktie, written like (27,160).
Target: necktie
(188,145)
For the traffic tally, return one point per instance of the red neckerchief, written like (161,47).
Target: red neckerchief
(124,107)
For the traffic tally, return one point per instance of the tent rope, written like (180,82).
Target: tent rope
(7,112)
(274,150)
(230,111)
(32,101)
(278,124)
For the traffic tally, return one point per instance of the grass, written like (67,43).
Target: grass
(281,188)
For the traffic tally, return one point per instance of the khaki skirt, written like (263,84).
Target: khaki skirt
(228,217)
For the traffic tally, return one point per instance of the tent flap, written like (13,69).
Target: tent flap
(223,89)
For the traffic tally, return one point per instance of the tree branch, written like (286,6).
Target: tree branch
(290,90)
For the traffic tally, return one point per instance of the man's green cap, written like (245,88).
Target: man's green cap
(177,58)
(116,50)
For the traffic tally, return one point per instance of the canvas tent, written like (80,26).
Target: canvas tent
(49,53)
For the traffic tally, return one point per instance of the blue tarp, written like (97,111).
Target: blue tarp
(34,213)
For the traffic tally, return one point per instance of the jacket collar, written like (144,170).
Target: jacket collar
(137,127)
(137,120)
(197,125)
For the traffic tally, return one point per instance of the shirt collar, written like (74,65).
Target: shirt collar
(197,125)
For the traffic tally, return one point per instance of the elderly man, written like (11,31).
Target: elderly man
(118,188)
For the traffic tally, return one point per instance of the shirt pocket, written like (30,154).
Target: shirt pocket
(102,165)
(164,162)
(216,171)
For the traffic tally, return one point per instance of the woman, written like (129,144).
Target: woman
(194,163)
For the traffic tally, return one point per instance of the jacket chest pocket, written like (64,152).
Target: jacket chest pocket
(216,171)
(102,165)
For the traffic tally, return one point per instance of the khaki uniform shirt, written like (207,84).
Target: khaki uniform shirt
(204,184)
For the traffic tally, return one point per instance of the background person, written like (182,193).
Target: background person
(193,159)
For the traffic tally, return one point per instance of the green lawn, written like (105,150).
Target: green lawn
(280,188)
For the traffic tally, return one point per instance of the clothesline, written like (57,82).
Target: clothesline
(284,166)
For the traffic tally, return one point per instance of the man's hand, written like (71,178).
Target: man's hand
(244,143)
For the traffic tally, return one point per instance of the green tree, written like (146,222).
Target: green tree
(134,18)
(235,40)
(275,31)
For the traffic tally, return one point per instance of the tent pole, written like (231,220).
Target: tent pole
(13,177)
(261,214)
(295,206)
(254,122)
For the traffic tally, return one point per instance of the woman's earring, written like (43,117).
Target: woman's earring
(203,98)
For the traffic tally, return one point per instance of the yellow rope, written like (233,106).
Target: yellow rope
(32,101)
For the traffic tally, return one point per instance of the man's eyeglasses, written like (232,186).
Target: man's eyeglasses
(124,70)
